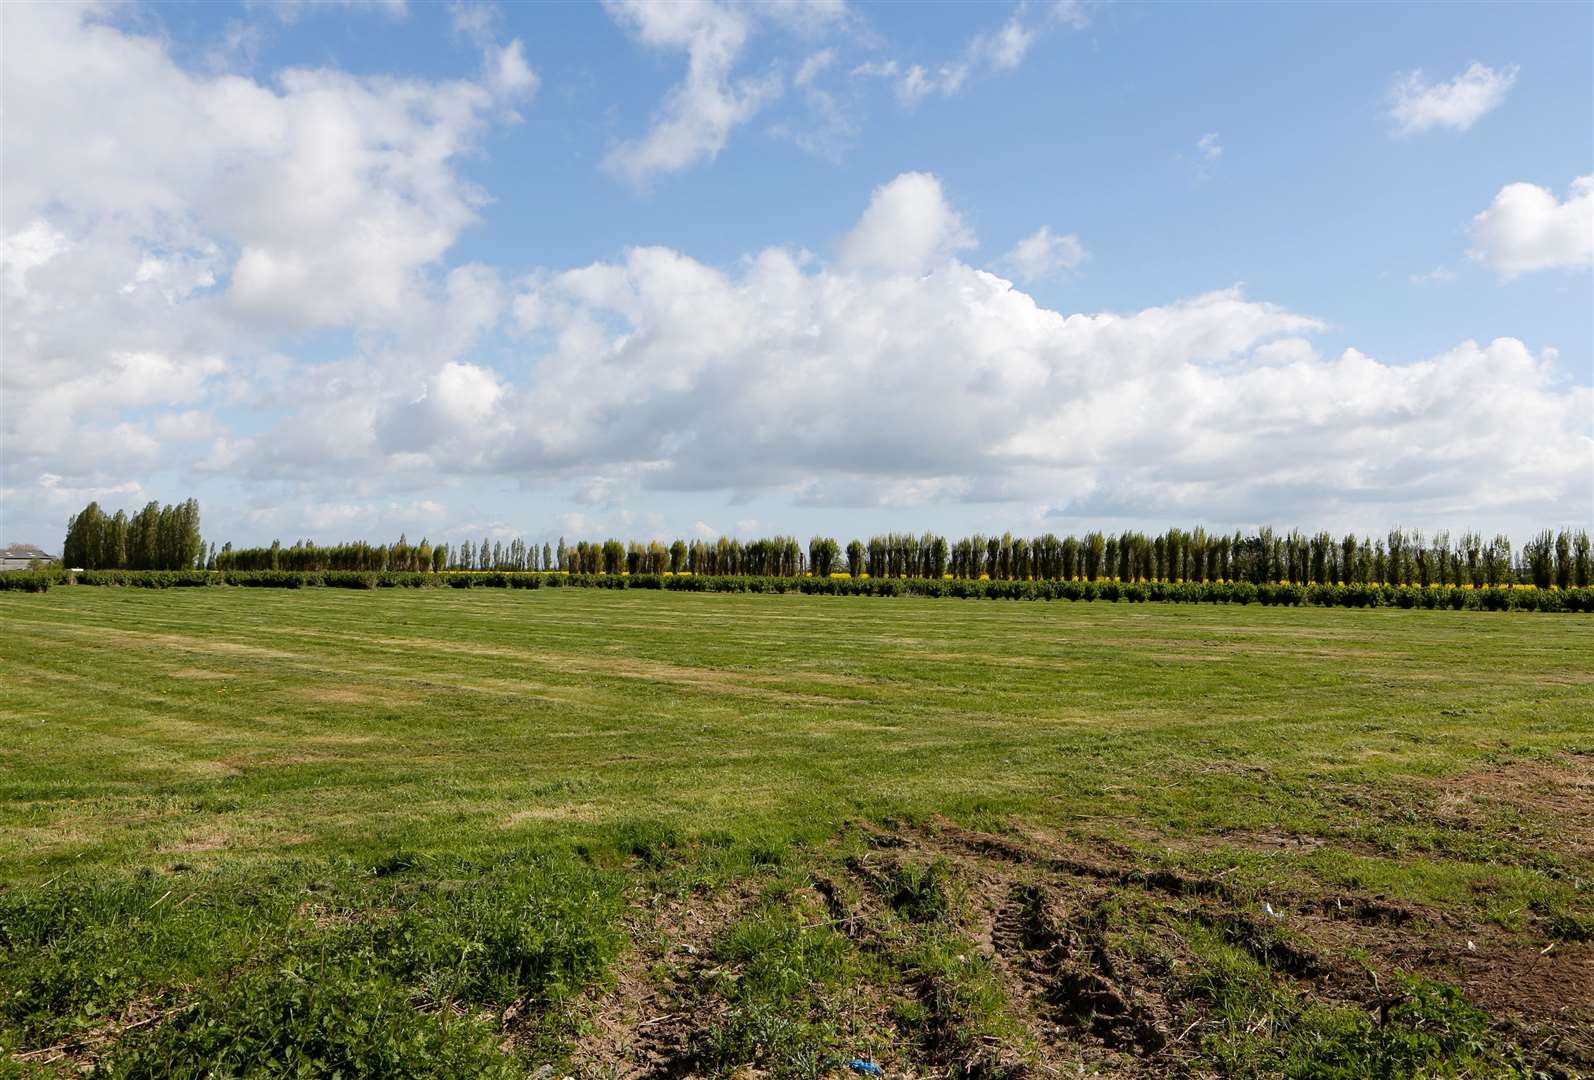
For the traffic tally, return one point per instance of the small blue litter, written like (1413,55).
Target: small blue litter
(868,1068)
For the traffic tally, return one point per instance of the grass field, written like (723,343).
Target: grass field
(445,833)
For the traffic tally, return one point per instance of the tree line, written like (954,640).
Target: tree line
(155,538)
(168,537)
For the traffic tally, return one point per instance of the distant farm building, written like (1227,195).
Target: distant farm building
(22,556)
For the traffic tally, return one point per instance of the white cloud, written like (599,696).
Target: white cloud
(988,52)
(813,65)
(290,11)
(476,22)
(1437,276)
(1208,152)
(224,455)
(1043,254)
(508,74)
(881,382)
(806,18)
(172,223)
(184,426)
(335,192)
(353,519)
(576,523)
(830,125)
(907,226)
(918,378)
(1416,105)
(698,115)
(912,83)
(1072,13)
(830,129)
(53,501)
(1003,49)
(504,68)
(27,249)
(155,269)
(453,407)
(1527,228)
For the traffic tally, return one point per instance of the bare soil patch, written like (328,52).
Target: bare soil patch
(1058,930)
(645,1024)
(1559,790)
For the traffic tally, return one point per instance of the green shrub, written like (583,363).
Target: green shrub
(26,580)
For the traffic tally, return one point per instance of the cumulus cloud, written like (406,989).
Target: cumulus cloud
(874,382)
(1043,254)
(165,267)
(899,375)
(909,224)
(168,225)
(454,406)
(698,115)
(1416,105)
(504,68)
(1527,228)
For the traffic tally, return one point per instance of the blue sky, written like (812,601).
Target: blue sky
(681,269)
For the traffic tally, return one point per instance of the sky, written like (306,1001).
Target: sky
(657,270)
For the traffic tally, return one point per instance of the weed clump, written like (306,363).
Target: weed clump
(919,892)
(305,1019)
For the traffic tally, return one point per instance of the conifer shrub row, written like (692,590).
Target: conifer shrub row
(1501,598)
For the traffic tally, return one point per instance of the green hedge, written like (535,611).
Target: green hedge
(1406,596)
(27,580)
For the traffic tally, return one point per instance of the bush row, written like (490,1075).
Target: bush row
(27,580)
(1521,598)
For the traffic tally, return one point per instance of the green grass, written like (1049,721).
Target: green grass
(373,830)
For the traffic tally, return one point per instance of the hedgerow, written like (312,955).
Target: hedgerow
(1432,597)
(27,580)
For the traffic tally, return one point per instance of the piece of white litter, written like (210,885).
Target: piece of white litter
(1267,907)
(1470,946)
